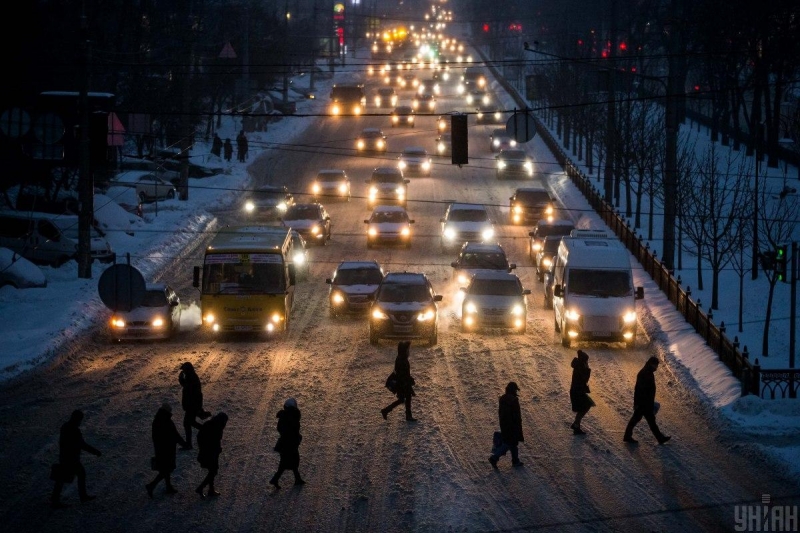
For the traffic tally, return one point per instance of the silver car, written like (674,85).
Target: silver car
(158,317)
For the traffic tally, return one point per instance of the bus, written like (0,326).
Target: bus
(247,281)
(348,100)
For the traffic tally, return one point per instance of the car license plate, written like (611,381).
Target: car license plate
(403,329)
(242,328)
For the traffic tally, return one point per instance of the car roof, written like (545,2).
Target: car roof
(514,152)
(403,109)
(348,265)
(459,205)
(270,188)
(494,274)
(372,130)
(414,149)
(405,277)
(386,170)
(482,247)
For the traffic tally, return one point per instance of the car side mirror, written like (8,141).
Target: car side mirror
(437,298)
(526,291)
(196,277)
(558,291)
(512,266)
(640,293)
(329,281)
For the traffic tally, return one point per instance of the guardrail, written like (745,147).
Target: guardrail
(728,350)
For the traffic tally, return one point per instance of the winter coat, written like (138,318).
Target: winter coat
(290,438)
(192,398)
(209,441)
(644,394)
(510,419)
(580,386)
(165,438)
(402,369)
(70,445)
(216,146)
(228,150)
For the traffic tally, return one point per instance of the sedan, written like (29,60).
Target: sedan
(389,224)
(309,220)
(494,299)
(158,317)
(268,201)
(403,116)
(500,140)
(353,286)
(371,140)
(424,102)
(488,114)
(514,163)
(414,161)
(332,184)
(148,186)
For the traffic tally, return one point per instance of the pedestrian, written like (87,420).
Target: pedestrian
(70,445)
(216,145)
(644,403)
(510,426)
(241,146)
(405,382)
(209,444)
(246,146)
(228,149)
(165,438)
(191,401)
(288,445)
(579,390)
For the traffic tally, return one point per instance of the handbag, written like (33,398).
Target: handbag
(391,383)
(154,464)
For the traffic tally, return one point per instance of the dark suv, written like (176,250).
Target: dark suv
(405,308)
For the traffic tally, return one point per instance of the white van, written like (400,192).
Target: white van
(48,238)
(593,293)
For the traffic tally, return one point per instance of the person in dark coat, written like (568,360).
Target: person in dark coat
(644,403)
(510,426)
(405,382)
(228,148)
(216,145)
(165,438)
(288,445)
(191,401)
(209,444)
(241,146)
(579,390)
(70,445)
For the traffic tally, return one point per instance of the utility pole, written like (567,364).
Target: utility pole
(85,179)
(671,142)
(286,64)
(187,137)
(793,306)
(754,264)
(314,43)
(611,116)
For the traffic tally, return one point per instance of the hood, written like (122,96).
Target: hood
(145,313)
(399,307)
(496,302)
(387,186)
(414,159)
(300,224)
(469,226)
(357,289)
(603,306)
(394,227)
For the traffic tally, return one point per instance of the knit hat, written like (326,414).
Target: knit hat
(187,366)
(583,356)
(290,402)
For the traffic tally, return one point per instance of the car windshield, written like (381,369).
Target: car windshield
(532,197)
(404,292)
(243,278)
(302,212)
(488,260)
(495,287)
(551,245)
(389,216)
(269,195)
(154,298)
(468,215)
(512,154)
(371,134)
(544,231)
(599,283)
(387,178)
(358,276)
(331,178)
(414,153)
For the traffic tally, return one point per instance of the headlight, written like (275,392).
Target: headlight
(431,105)
(536,246)
(342,188)
(479,115)
(517,310)
(157,322)
(421,90)
(497,116)
(378,314)
(442,125)
(117,322)
(299,259)
(572,315)
(546,262)
(426,165)
(380,143)
(463,279)
(276,318)
(314,230)
(405,232)
(481,82)
(282,206)
(495,143)
(373,191)
(470,308)
(518,209)
(401,165)
(512,143)
(440,147)
(629,317)
(486,100)
(337,298)
(460,89)
(501,163)
(426,315)
(209,318)
(357,110)
(469,99)
(335,109)
(395,118)
(449,233)
(548,210)
(411,118)
(249,207)
(487,234)
(360,145)
(446,76)
(315,188)
(377,100)
(528,166)
(372,231)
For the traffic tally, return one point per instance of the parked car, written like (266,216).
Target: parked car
(157,167)
(18,272)
(126,198)
(464,222)
(268,201)
(158,317)
(353,286)
(149,187)
(494,300)
(405,307)
(311,220)
(415,161)
(389,224)
(371,140)
(331,184)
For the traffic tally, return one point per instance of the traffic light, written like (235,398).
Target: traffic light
(780,262)
(459,139)
(768,260)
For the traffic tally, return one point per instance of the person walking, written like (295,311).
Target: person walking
(216,145)
(405,382)
(644,403)
(510,426)
(288,445)
(165,438)
(241,146)
(209,444)
(70,445)
(191,401)
(579,390)
(228,149)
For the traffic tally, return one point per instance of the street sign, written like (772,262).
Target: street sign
(521,126)
(121,287)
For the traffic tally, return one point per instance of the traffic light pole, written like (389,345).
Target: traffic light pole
(793,308)
(85,180)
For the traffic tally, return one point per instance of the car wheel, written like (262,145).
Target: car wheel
(548,303)
(565,342)
(557,325)
(373,337)
(434,338)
